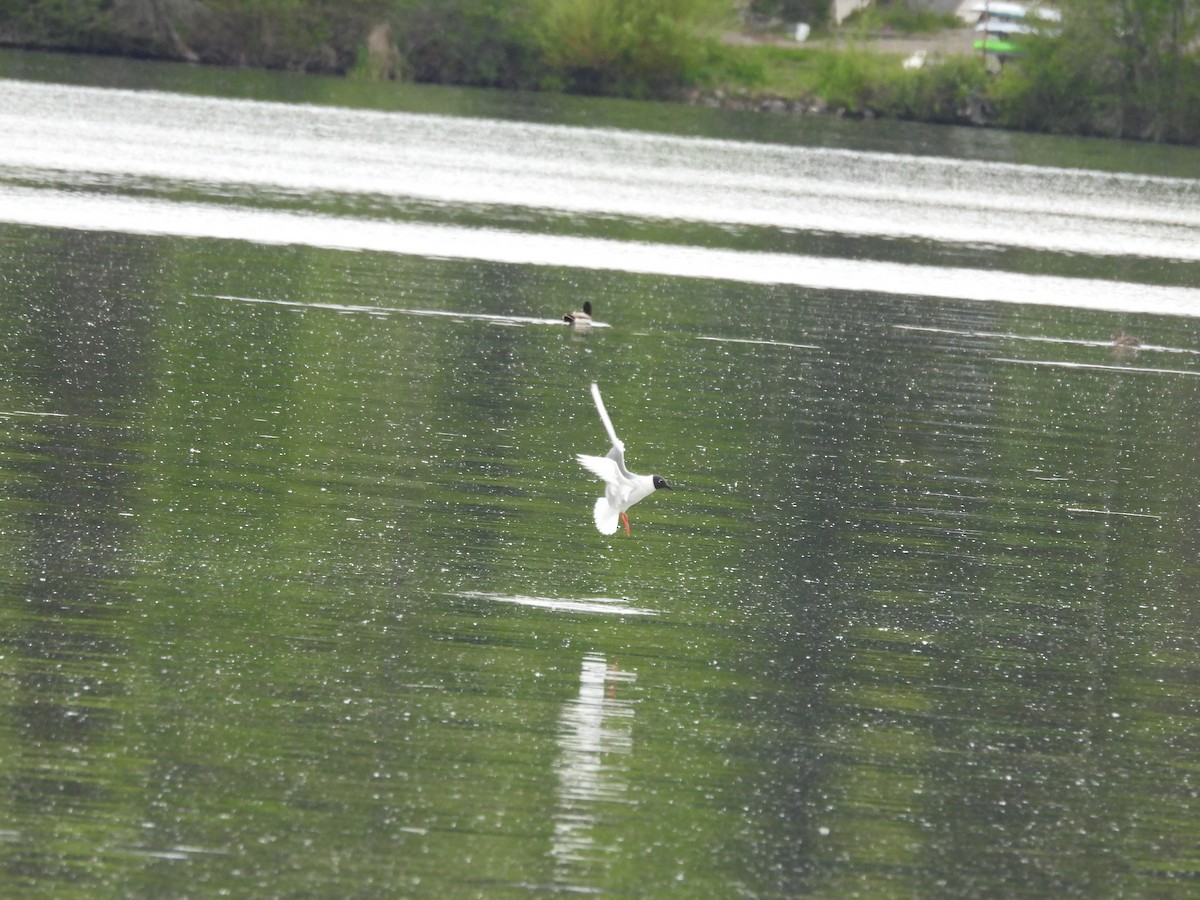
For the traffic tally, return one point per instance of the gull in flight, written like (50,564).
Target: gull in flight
(622,488)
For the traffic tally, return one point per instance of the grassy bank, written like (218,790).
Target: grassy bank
(1122,68)
(851,80)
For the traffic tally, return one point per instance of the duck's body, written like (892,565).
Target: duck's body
(581,318)
(622,488)
(1121,339)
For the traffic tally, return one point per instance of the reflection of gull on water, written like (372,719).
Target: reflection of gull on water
(594,736)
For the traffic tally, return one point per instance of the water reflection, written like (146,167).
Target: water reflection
(595,739)
(67,480)
(307,583)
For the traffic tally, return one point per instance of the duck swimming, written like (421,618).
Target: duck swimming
(1121,339)
(581,318)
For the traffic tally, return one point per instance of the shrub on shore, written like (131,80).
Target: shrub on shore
(949,91)
(855,80)
(485,43)
(1128,69)
(634,48)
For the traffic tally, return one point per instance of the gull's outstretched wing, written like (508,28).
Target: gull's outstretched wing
(608,425)
(603,467)
(608,508)
(617,453)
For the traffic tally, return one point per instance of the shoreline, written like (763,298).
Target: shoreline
(947,55)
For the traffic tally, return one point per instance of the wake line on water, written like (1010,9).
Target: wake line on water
(381,311)
(617,606)
(1096,367)
(1041,339)
(55,209)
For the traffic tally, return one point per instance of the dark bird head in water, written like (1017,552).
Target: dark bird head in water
(580,316)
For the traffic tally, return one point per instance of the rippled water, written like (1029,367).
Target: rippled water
(301,591)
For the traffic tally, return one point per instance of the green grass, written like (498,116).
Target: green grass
(851,77)
(773,70)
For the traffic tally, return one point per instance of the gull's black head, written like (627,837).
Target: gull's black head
(587,307)
(660,483)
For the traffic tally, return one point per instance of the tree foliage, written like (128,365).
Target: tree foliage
(302,35)
(478,42)
(632,47)
(1123,68)
(56,23)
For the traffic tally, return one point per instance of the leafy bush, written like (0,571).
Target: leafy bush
(1050,88)
(854,79)
(300,35)
(939,92)
(1120,69)
(56,23)
(478,42)
(629,47)
(861,81)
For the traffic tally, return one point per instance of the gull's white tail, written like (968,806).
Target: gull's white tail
(608,425)
(606,516)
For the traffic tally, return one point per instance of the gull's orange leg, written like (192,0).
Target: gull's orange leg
(625,522)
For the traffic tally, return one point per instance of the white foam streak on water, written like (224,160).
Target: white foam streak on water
(61,136)
(617,606)
(357,308)
(1125,370)
(459,160)
(57,209)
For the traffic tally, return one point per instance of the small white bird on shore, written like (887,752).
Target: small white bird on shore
(622,488)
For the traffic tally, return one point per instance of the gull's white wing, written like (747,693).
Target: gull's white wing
(617,488)
(608,425)
(603,467)
(607,510)
(617,453)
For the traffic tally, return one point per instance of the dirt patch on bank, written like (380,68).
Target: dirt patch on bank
(955,42)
